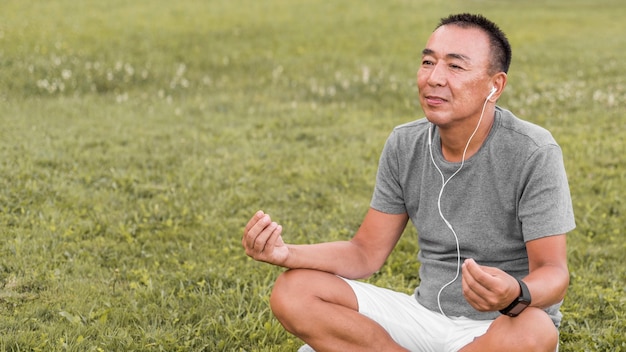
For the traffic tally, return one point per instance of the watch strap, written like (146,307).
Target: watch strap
(520,303)
(525,292)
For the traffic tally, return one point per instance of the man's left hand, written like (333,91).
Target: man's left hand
(487,288)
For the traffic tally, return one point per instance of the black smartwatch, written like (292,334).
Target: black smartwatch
(520,303)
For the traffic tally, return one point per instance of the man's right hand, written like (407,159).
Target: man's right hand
(262,240)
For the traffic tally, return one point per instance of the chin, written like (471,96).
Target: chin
(436,118)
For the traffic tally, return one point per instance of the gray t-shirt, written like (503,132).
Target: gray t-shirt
(513,190)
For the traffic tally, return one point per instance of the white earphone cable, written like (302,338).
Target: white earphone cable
(443,185)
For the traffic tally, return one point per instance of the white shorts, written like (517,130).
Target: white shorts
(412,325)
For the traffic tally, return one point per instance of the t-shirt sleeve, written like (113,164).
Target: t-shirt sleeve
(388,195)
(545,207)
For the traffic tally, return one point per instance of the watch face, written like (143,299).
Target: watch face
(518,308)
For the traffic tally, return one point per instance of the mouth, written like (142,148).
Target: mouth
(434,100)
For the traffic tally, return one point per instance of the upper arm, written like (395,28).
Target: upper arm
(549,250)
(377,236)
(548,276)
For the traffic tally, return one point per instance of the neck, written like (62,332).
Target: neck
(454,139)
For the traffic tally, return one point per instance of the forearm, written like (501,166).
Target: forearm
(343,258)
(549,277)
(547,285)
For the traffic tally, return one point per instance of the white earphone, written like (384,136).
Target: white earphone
(444,182)
(493,91)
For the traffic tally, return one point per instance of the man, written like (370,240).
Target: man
(489,197)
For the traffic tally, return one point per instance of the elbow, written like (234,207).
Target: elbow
(363,272)
(368,273)
(560,280)
(368,263)
(565,285)
(550,287)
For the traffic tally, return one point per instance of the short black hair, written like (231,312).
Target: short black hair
(500,47)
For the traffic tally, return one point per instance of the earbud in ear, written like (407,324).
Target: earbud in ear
(493,91)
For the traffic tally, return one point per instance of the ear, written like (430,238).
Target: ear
(498,81)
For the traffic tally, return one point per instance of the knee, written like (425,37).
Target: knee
(533,330)
(543,335)
(289,294)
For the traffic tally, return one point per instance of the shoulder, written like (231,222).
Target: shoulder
(411,131)
(413,126)
(519,131)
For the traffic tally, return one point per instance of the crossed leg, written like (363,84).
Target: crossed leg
(533,330)
(322,310)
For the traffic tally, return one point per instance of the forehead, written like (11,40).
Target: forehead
(451,40)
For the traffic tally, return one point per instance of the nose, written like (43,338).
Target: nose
(436,75)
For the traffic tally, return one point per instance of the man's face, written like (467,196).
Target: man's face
(453,78)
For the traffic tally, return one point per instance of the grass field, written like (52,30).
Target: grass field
(137,138)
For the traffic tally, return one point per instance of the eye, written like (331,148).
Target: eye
(456,67)
(426,62)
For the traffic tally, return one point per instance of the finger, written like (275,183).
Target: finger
(256,230)
(481,275)
(476,292)
(255,218)
(469,282)
(274,240)
(261,240)
(476,298)
(246,231)
(471,288)
(485,287)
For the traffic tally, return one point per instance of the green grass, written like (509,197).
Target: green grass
(138,137)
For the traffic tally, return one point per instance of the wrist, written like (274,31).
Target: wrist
(520,303)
